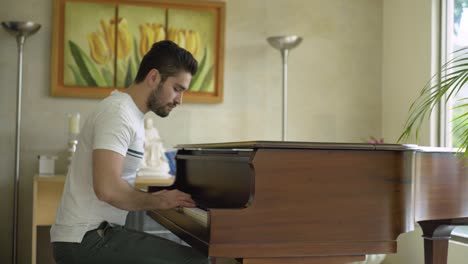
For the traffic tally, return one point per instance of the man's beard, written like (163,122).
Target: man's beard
(154,103)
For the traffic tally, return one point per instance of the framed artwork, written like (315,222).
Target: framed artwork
(97,45)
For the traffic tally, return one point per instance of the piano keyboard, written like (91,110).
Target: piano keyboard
(198,215)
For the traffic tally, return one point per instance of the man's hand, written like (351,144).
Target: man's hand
(172,199)
(109,187)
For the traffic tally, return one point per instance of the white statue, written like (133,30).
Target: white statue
(154,162)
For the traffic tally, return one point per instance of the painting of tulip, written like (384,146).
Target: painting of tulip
(146,25)
(102,44)
(88,45)
(194,31)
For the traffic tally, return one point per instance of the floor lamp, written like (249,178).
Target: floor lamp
(284,44)
(21,30)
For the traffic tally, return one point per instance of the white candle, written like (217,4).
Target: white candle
(74,123)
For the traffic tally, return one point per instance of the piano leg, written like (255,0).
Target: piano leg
(436,234)
(305,260)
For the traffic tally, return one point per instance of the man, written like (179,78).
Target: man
(98,190)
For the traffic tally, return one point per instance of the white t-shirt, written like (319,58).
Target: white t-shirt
(118,125)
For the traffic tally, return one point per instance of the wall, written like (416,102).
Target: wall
(406,62)
(334,88)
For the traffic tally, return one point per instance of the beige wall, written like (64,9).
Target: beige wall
(406,64)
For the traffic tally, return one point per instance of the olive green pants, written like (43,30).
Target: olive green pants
(119,245)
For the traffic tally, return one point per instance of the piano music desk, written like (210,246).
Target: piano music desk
(47,192)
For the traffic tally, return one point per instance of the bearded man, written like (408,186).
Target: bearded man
(99,188)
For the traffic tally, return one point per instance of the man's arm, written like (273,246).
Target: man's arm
(111,188)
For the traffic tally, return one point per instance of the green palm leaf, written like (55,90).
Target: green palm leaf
(460,123)
(444,85)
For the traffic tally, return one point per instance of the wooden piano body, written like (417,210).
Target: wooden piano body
(296,202)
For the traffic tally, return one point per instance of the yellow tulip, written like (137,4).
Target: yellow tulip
(124,39)
(149,34)
(159,32)
(100,53)
(109,35)
(146,37)
(178,36)
(192,42)
(171,34)
(187,39)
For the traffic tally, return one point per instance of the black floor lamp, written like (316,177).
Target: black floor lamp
(21,30)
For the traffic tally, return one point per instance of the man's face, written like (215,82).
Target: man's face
(169,94)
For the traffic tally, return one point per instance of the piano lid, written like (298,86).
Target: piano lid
(249,145)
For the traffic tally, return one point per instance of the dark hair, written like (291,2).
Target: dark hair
(168,58)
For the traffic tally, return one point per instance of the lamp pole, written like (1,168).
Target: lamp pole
(284,44)
(21,30)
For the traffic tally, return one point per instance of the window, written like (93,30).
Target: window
(454,37)
(454,34)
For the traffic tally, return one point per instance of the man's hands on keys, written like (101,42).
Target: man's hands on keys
(168,199)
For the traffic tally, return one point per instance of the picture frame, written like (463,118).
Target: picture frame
(97,45)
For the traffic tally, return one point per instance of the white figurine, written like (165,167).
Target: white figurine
(154,161)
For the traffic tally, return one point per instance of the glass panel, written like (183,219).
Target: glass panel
(457,38)
(460,234)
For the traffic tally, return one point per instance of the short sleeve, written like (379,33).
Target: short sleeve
(112,131)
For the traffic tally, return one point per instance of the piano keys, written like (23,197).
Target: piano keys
(302,202)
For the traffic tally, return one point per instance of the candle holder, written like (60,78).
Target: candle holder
(73,133)
(72,143)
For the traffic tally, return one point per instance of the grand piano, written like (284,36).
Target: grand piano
(302,202)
